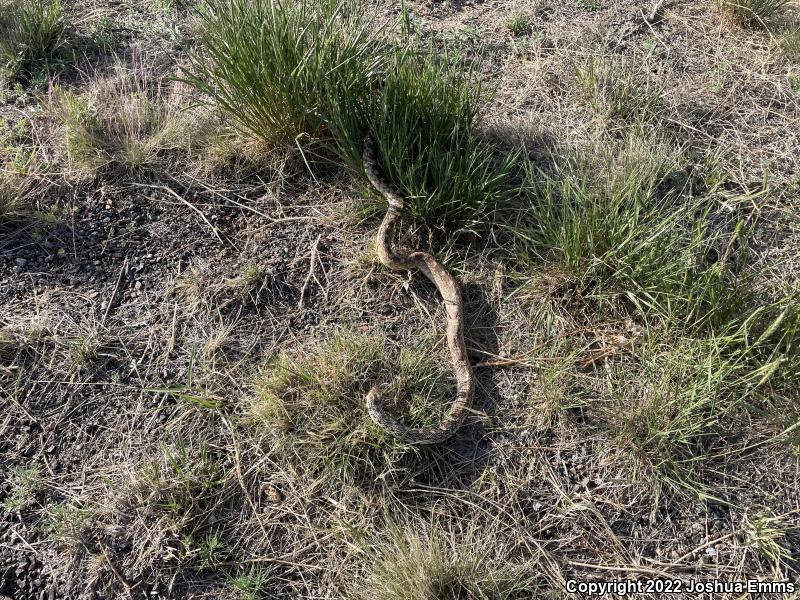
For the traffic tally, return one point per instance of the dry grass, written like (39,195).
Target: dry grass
(183,379)
(438,566)
(755,12)
(132,120)
(9,198)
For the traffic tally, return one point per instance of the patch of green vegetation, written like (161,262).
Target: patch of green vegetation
(319,75)
(519,23)
(640,237)
(16,150)
(686,389)
(767,533)
(313,401)
(83,348)
(754,12)
(555,393)
(464,36)
(25,481)
(252,584)
(8,341)
(9,198)
(424,131)
(617,91)
(183,484)
(794,83)
(281,69)
(435,567)
(97,139)
(66,522)
(104,33)
(590,5)
(789,41)
(627,224)
(31,32)
(252,276)
(211,551)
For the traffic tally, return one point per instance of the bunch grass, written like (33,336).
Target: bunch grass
(313,404)
(321,75)
(31,32)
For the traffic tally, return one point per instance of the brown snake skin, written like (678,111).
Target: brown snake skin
(451,294)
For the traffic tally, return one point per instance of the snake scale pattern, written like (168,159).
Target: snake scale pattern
(451,294)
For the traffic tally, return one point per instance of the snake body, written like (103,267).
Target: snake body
(451,294)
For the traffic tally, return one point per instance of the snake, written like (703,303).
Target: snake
(448,288)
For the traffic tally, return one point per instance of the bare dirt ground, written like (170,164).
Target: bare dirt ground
(138,307)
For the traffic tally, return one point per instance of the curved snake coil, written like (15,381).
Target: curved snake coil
(451,294)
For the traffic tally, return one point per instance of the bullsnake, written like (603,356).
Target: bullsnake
(451,294)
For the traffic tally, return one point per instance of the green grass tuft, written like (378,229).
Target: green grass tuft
(617,91)
(789,40)
(769,535)
(31,31)
(519,23)
(25,482)
(320,75)
(9,197)
(626,228)
(252,584)
(425,131)
(687,389)
(640,237)
(182,485)
(281,69)
(126,122)
(313,402)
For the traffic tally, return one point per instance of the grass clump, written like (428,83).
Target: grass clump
(754,12)
(768,534)
(616,91)
(689,398)
(183,483)
(313,401)
(788,37)
(125,121)
(25,482)
(519,23)
(9,197)
(425,131)
(280,69)
(66,522)
(634,233)
(640,238)
(252,584)
(686,392)
(31,31)
(412,566)
(320,75)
